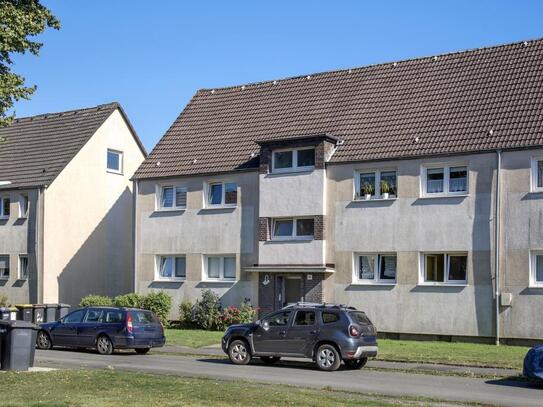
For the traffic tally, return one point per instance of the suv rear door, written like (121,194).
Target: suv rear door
(302,333)
(271,339)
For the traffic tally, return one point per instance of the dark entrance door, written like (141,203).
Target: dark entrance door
(289,290)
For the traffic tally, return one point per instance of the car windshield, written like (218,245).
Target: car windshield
(360,318)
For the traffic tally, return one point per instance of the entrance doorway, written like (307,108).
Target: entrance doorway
(289,290)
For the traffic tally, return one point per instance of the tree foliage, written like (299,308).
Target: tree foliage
(20,21)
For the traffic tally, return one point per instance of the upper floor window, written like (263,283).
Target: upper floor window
(172,197)
(375,268)
(5,203)
(220,268)
(445,268)
(376,184)
(294,228)
(24,205)
(23,267)
(445,180)
(536,269)
(4,267)
(537,174)
(171,267)
(298,159)
(114,161)
(222,194)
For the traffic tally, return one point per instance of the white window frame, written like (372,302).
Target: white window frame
(221,270)
(121,161)
(446,264)
(356,177)
(2,198)
(377,267)
(207,194)
(533,177)
(446,180)
(24,214)
(2,278)
(294,236)
(20,268)
(295,167)
(533,269)
(158,263)
(158,197)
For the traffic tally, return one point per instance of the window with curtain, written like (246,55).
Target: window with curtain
(375,268)
(23,267)
(446,180)
(173,197)
(5,204)
(4,267)
(172,267)
(221,268)
(446,268)
(222,194)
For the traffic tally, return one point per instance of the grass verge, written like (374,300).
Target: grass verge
(113,388)
(451,353)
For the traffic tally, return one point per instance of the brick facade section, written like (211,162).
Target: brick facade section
(264,229)
(319,227)
(323,149)
(313,288)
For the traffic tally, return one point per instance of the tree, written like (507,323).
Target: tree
(20,20)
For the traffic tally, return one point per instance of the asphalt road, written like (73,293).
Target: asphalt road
(497,392)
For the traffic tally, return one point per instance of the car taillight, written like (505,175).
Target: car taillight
(353,331)
(129,326)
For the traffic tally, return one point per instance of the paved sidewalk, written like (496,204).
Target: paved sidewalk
(216,350)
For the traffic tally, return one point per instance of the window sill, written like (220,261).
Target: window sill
(231,281)
(4,217)
(432,196)
(292,171)
(21,279)
(540,286)
(169,280)
(374,199)
(291,239)
(170,210)
(442,285)
(370,283)
(114,172)
(213,207)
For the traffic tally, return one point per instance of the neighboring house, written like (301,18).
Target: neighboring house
(66,205)
(258,191)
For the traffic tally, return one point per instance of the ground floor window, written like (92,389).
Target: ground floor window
(375,268)
(220,268)
(446,268)
(4,267)
(536,269)
(171,267)
(23,267)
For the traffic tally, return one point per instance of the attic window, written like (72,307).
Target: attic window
(114,161)
(299,159)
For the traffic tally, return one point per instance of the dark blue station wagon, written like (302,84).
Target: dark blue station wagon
(104,329)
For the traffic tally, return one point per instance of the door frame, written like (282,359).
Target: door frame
(280,291)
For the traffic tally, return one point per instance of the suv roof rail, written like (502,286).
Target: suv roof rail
(302,304)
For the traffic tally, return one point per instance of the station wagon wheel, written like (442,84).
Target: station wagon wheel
(43,340)
(356,363)
(239,353)
(328,358)
(104,345)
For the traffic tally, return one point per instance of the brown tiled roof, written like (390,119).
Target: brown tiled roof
(460,102)
(34,150)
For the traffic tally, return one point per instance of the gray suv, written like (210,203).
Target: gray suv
(325,333)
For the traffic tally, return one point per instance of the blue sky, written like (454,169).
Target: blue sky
(153,56)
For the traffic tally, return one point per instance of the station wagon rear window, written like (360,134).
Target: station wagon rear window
(143,317)
(360,317)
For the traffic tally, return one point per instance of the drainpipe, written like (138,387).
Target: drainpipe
(134,233)
(497,219)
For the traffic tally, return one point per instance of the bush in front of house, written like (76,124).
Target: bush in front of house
(160,303)
(96,301)
(207,313)
(131,300)
(4,302)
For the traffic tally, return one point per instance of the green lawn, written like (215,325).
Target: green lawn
(114,388)
(457,353)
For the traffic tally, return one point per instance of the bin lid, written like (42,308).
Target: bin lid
(51,305)
(38,306)
(17,325)
(12,308)
(64,305)
(23,305)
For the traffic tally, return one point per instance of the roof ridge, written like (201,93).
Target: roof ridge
(364,67)
(58,114)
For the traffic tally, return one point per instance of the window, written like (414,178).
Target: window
(221,268)
(112,317)
(114,161)
(24,205)
(536,269)
(299,159)
(4,267)
(171,267)
(23,267)
(445,181)
(329,317)
(375,268)
(376,184)
(74,317)
(304,318)
(299,228)
(172,198)
(4,207)
(279,319)
(93,315)
(537,174)
(445,268)
(222,194)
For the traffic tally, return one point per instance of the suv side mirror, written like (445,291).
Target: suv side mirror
(265,325)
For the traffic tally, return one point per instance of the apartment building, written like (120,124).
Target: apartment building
(66,205)
(412,190)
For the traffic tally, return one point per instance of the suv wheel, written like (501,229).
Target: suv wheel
(104,345)
(356,363)
(43,341)
(270,360)
(328,358)
(238,352)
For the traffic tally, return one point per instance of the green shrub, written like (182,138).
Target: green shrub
(160,303)
(131,300)
(206,313)
(185,315)
(4,300)
(243,314)
(96,300)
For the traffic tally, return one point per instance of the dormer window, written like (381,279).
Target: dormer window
(297,159)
